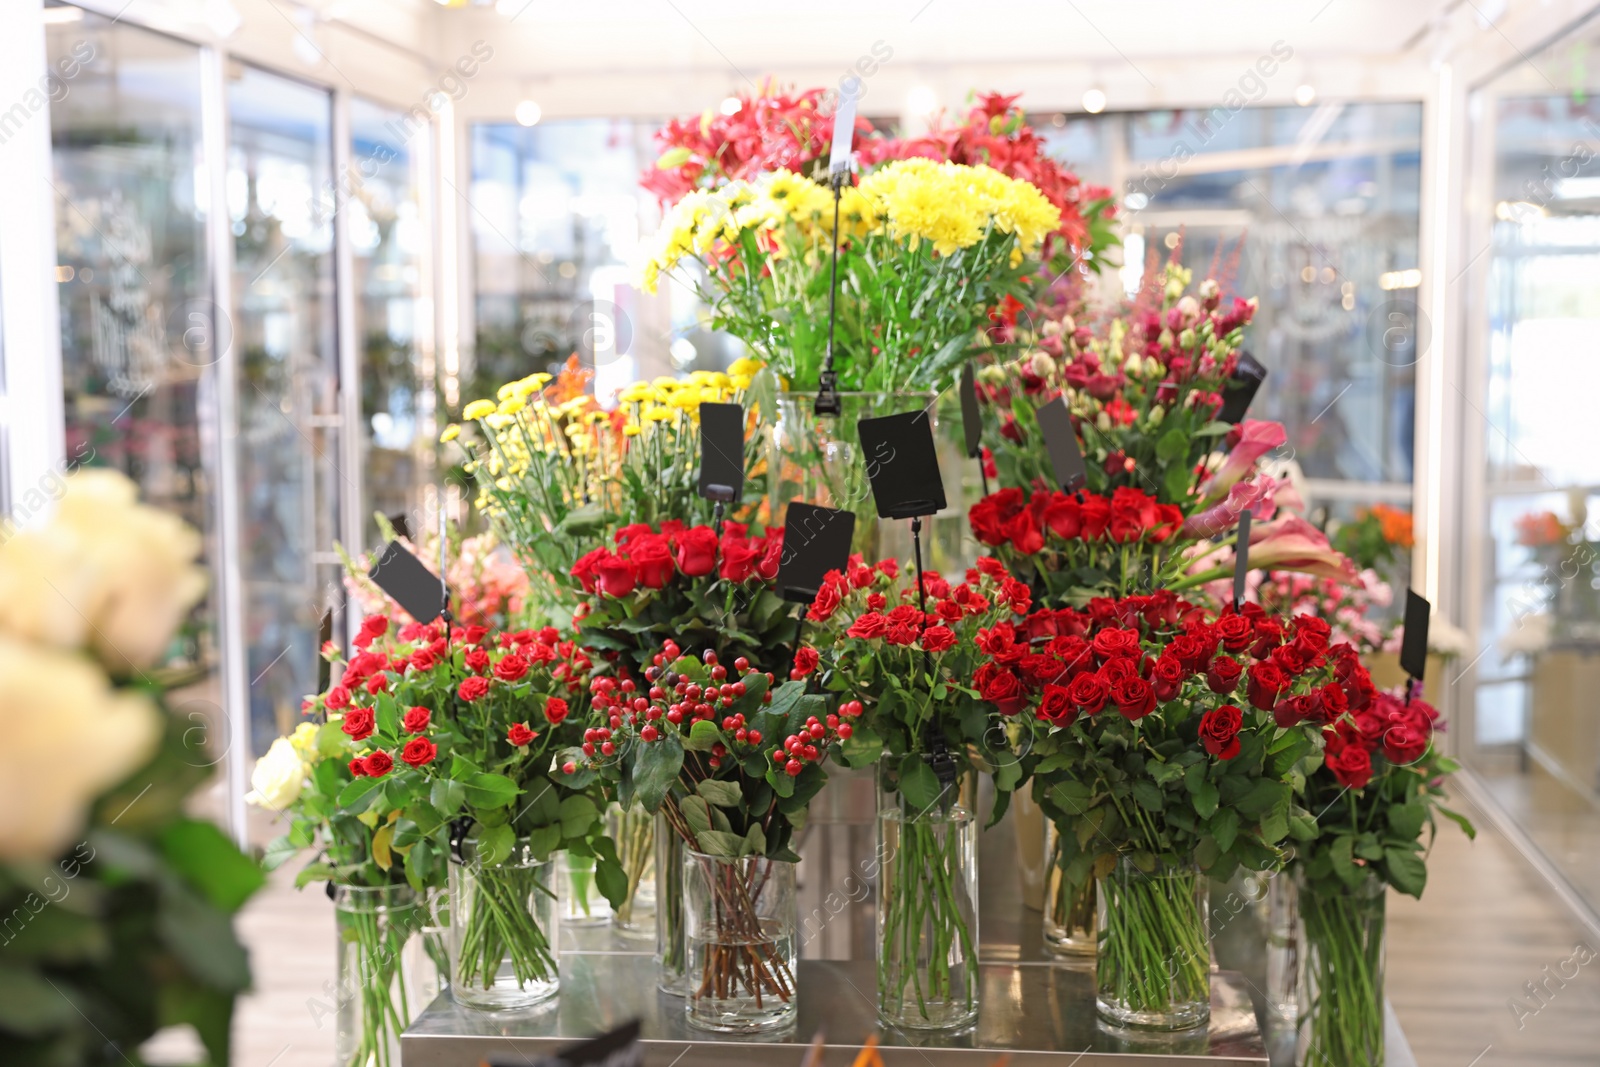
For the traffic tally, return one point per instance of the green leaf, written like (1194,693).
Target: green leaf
(313,872)
(495,844)
(210,861)
(1302,826)
(1264,794)
(718,843)
(578,814)
(1405,821)
(354,797)
(484,790)
(1275,827)
(31,1006)
(201,938)
(543,840)
(1073,798)
(447,796)
(756,840)
(918,784)
(1224,826)
(1205,800)
(1148,794)
(702,735)
(1407,872)
(1172,445)
(279,850)
(722,794)
(696,812)
(1344,864)
(612,881)
(656,767)
(1460,820)
(1176,484)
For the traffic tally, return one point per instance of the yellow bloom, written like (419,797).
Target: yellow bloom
(633,429)
(498,421)
(478,409)
(745,366)
(635,393)
(451,432)
(512,405)
(660,414)
(506,391)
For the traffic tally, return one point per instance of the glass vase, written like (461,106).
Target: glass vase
(1153,970)
(502,956)
(1283,946)
(582,903)
(670,947)
(633,832)
(1341,974)
(739,925)
(927,915)
(374,925)
(1069,905)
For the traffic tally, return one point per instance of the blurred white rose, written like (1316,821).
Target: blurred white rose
(68,737)
(278,778)
(105,573)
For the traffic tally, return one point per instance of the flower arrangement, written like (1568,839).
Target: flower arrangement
(1377,538)
(119,905)
(1166,741)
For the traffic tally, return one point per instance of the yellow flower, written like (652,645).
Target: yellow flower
(745,367)
(635,393)
(498,421)
(660,414)
(451,432)
(478,409)
(506,391)
(512,405)
(633,429)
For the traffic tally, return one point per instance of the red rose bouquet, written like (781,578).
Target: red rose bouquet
(1166,742)
(686,581)
(1375,796)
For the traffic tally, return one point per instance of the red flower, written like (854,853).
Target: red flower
(988,517)
(1089,691)
(806,659)
(475,634)
(1222,676)
(615,575)
(1110,644)
(1236,632)
(1135,698)
(949,611)
(1293,658)
(587,569)
(511,668)
(378,683)
(827,598)
(1063,516)
(338,698)
(1096,515)
(651,557)
(901,633)
(1133,513)
(738,557)
(1404,742)
(359,723)
(1057,706)
(419,751)
(697,551)
(1292,711)
(358,768)
(1351,766)
(520,735)
(1004,690)
(1266,682)
(771,555)
(416,720)
(868,626)
(938,639)
(1022,530)
(1331,703)
(1167,676)
(1018,595)
(424,660)
(372,627)
(378,764)
(555,710)
(1219,731)
(473,688)
(477,660)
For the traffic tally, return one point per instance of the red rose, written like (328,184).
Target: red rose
(358,768)
(372,627)
(651,557)
(473,688)
(1404,743)
(475,634)
(1073,652)
(419,751)
(359,723)
(1057,706)
(1096,514)
(1222,675)
(1114,670)
(1017,595)
(806,659)
(949,611)
(868,626)
(423,660)
(616,576)
(988,516)
(520,735)
(1312,631)
(586,570)
(1133,513)
(555,710)
(1089,691)
(1352,766)
(1293,658)
(771,555)
(378,683)
(1167,676)
(1022,530)
(1109,644)
(1219,731)
(1063,517)
(938,639)
(477,660)
(1293,711)
(1169,522)
(511,668)
(378,764)
(1332,703)
(826,601)
(1135,698)
(338,698)
(738,558)
(416,720)
(1269,635)
(1004,690)
(901,633)
(697,551)
(1190,651)
(1236,632)
(1266,682)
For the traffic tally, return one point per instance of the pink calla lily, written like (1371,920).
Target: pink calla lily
(1255,438)
(1293,544)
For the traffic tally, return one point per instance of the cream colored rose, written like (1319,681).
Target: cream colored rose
(68,736)
(105,573)
(278,776)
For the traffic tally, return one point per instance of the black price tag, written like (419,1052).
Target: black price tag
(618,1048)
(816,540)
(411,585)
(1061,442)
(722,452)
(1241,562)
(1241,388)
(971,417)
(1414,647)
(902,465)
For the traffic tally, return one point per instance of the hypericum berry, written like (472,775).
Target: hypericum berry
(588,735)
(652,673)
(627,685)
(793,768)
(649,733)
(741,664)
(738,689)
(741,736)
(572,768)
(674,716)
(766,698)
(616,721)
(608,749)
(715,761)
(845,730)
(791,743)
(779,756)
(833,722)
(795,674)
(818,731)
(640,703)
(709,657)
(652,713)
(810,751)
(719,749)
(770,679)
(729,724)
(718,673)
(755,737)
(588,748)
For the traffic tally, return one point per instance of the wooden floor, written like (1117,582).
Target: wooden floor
(1457,961)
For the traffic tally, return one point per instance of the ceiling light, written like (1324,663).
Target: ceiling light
(55,16)
(1094,101)
(1304,94)
(922,101)
(1400,279)
(529,113)
(731,105)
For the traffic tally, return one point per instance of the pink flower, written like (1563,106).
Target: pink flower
(1257,495)
(1253,438)
(1291,543)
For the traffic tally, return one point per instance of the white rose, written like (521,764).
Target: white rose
(69,736)
(105,572)
(278,777)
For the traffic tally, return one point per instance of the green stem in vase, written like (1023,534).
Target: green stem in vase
(926,941)
(500,926)
(1342,1018)
(1153,952)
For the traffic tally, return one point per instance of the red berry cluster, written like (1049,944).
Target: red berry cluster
(809,745)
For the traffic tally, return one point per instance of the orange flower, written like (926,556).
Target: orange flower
(1395,524)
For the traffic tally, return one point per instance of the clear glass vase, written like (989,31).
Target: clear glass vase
(670,947)
(1341,974)
(582,903)
(502,918)
(1153,970)
(739,928)
(1283,946)
(374,925)
(1069,906)
(633,832)
(927,915)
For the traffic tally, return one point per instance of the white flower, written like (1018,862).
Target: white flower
(69,736)
(1042,365)
(105,573)
(278,776)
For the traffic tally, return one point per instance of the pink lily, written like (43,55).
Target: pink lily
(1293,544)
(1254,438)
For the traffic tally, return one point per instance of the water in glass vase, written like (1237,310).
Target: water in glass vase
(739,926)
(502,954)
(1153,971)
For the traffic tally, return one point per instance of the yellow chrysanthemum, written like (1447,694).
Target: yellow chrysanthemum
(636,393)
(478,409)
(498,421)
(513,404)
(633,429)
(451,432)
(745,366)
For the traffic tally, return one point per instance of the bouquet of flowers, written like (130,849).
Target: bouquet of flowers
(1167,742)
(731,761)
(1378,790)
